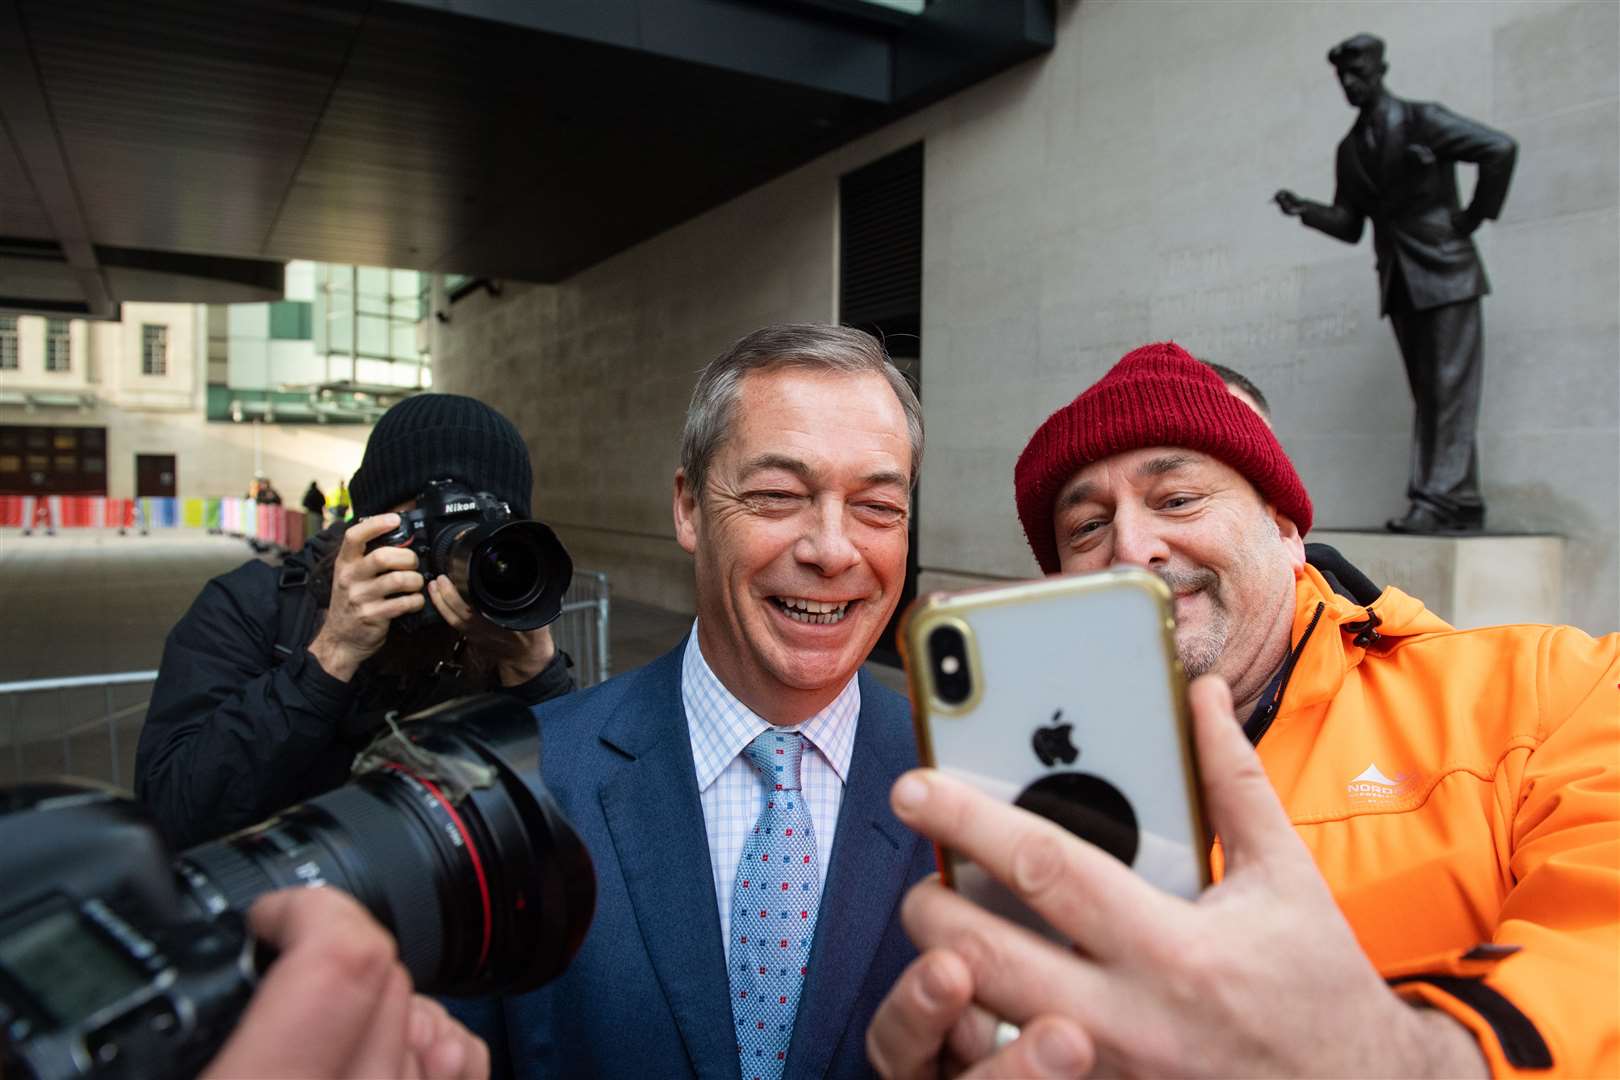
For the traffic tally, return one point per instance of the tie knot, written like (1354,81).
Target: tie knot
(775,756)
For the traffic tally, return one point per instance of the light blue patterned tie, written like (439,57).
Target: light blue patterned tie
(773,910)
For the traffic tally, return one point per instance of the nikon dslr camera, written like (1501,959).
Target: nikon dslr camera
(513,571)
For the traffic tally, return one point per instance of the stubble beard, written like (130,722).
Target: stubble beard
(1200,650)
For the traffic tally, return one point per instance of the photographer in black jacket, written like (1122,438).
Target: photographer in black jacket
(277,676)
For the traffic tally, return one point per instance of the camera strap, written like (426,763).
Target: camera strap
(296,615)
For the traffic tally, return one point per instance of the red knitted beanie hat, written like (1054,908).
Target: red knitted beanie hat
(1157,395)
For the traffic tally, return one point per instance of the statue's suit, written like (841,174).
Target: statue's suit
(1396,166)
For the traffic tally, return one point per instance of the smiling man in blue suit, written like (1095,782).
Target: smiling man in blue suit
(734,793)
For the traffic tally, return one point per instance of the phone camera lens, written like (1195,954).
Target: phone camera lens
(947,654)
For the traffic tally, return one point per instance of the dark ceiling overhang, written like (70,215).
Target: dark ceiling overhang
(185,149)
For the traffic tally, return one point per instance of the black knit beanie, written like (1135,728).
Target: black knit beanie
(436,437)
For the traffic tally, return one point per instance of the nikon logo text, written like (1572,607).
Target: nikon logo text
(460,507)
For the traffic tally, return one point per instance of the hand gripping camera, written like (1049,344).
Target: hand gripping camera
(513,571)
(115,962)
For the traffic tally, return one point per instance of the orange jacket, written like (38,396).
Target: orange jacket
(1460,792)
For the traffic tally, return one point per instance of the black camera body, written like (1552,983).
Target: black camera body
(100,970)
(117,962)
(513,571)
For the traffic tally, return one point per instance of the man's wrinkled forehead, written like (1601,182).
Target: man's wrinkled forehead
(1090,482)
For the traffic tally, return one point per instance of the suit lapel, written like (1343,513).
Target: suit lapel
(1350,153)
(872,853)
(650,804)
(1392,144)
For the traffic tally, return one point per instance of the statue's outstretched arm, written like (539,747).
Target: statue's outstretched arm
(1338,220)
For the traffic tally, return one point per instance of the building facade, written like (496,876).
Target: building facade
(194,400)
(1112,192)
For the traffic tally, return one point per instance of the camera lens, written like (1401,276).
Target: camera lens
(508,570)
(947,655)
(471,865)
(514,573)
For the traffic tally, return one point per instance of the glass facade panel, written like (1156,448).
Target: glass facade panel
(292,320)
(306,357)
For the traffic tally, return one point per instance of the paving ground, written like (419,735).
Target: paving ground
(88,602)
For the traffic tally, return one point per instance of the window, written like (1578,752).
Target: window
(58,346)
(59,460)
(154,349)
(8,343)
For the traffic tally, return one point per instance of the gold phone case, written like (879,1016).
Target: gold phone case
(1071,663)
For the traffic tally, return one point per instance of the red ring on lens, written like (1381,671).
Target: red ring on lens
(472,851)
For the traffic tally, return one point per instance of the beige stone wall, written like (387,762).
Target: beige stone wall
(164,414)
(213,459)
(1113,192)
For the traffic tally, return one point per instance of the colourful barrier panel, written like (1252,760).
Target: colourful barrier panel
(161,512)
(244,516)
(299,528)
(41,512)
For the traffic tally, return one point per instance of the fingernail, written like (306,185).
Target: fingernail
(1057,1050)
(909,792)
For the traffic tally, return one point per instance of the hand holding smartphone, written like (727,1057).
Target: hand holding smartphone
(1064,696)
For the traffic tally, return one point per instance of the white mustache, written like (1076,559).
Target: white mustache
(1182,582)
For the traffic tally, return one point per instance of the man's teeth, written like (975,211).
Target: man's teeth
(812,611)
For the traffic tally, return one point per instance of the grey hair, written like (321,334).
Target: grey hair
(815,347)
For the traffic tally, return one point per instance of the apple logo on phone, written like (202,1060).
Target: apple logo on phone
(1054,743)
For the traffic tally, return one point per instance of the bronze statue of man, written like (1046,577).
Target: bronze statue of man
(1396,166)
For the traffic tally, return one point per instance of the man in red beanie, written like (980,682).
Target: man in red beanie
(1418,864)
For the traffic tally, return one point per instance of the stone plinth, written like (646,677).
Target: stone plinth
(1466,580)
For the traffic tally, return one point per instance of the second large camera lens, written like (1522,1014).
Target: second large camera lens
(476,873)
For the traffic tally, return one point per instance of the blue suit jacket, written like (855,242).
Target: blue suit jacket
(648,994)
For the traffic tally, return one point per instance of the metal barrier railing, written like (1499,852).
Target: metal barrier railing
(36,706)
(582,629)
(75,733)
